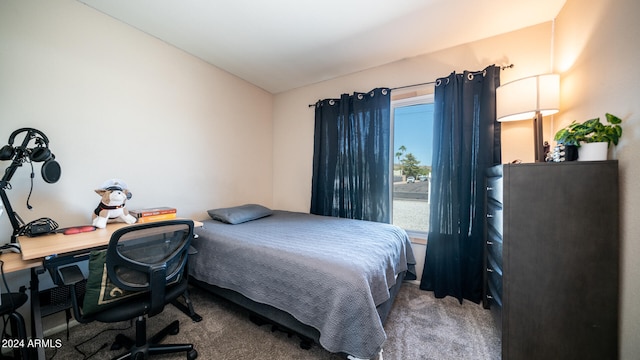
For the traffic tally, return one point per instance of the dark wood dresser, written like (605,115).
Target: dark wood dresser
(551,255)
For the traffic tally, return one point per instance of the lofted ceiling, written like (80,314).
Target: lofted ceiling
(280,45)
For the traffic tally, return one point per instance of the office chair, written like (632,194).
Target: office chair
(9,307)
(144,266)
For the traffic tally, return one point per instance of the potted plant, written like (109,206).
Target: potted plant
(591,136)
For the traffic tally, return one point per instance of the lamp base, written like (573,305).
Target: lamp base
(538,144)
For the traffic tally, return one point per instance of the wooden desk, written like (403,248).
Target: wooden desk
(40,246)
(34,249)
(14,262)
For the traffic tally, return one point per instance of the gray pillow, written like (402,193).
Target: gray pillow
(239,214)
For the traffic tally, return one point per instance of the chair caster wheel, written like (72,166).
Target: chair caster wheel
(192,355)
(175,330)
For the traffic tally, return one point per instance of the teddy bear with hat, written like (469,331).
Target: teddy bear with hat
(114,193)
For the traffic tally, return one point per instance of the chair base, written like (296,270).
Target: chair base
(141,348)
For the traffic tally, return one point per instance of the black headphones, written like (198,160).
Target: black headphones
(41,153)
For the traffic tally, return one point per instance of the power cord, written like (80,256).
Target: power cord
(31,188)
(85,356)
(90,355)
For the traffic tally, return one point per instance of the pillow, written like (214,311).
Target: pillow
(239,214)
(100,292)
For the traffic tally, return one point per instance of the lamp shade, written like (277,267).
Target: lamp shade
(522,99)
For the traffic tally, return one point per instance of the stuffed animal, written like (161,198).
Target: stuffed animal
(114,194)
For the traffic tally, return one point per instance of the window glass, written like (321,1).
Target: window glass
(412,124)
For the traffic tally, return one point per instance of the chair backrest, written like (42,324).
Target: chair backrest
(148,257)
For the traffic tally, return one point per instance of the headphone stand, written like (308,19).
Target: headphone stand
(16,162)
(12,215)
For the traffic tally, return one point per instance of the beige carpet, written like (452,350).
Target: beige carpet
(419,327)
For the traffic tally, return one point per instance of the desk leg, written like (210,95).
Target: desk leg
(36,316)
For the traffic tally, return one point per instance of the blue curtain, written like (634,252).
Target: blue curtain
(351,156)
(466,142)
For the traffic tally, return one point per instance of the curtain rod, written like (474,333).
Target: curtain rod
(429,83)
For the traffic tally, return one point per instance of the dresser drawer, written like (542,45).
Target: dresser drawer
(494,189)
(494,246)
(494,293)
(494,278)
(494,219)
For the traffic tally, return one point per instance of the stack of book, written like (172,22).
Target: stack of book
(153,214)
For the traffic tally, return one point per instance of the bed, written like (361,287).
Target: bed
(327,279)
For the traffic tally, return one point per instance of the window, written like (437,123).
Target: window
(412,138)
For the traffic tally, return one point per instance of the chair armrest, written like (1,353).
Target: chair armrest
(70,275)
(55,264)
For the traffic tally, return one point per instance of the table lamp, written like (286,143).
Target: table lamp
(530,98)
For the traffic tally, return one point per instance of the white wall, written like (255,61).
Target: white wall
(597,52)
(116,102)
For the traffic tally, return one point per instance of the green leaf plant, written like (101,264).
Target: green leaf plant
(591,131)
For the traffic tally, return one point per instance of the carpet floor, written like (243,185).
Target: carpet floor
(419,327)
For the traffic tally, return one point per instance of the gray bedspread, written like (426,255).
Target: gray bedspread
(327,272)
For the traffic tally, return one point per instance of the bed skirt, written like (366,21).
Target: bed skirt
(283,320)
